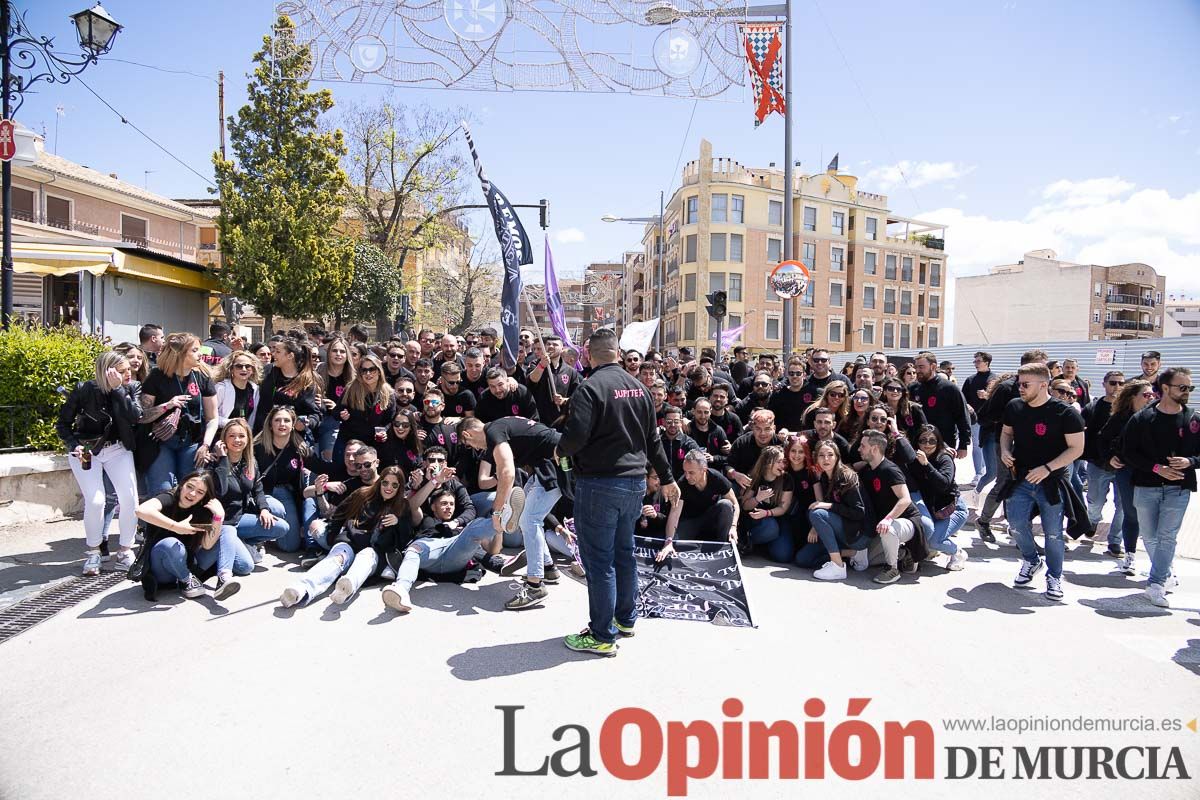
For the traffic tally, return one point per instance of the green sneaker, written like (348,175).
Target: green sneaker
(624,631)
(586,643)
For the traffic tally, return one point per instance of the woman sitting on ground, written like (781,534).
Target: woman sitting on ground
(767,501)
(250,513)
(933,471)
(836,520)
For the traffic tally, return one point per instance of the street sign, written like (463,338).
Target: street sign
(8,140)
(1106,356)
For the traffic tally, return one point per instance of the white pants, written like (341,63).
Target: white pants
(116,462)
(888,546)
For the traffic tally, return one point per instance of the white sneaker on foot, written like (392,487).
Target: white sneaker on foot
(860,561)
(831,572)
(342,591)
(957,561)
(121,561)
(91,565)
(291,596)
(1127,565)
(396,599)
(510,514)
(1157,595)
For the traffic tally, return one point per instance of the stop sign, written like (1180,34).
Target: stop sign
(8,140)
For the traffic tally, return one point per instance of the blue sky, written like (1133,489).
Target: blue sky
(1071,125)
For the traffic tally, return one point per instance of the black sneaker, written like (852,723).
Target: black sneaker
(528,596)
(226,589)
(906,563)
(193,588)
(104,547)
(550,575)
(985,532)
(493,563)
(511,565)
(312,556)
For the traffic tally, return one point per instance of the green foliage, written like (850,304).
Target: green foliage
(282,197)
(35,362)
(376,287)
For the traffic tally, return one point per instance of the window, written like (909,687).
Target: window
(735,292)
(133,229)
(772,328)
(852,216)
(868,297)
(839,222)
(835,330)
(889,267)
(906,269)
(806,330)
(689,325)
(1108,316)
(689,287)
(872,228)
(837,259)
(935,273)
(921,273)
(58,215)
(735,247)
(23,204)
(208,238)
(889,335)
(868,333)
(806,299)
(693,211)
(809,258)
(905,335)
(835,294)
(920,305)
(737,211)
(720,208)
(774,250)
(869,267)
(906,302)
(716,247)
(734,320)
(933,337)
(716,281)
(1099,288)
(774,212)
(689,253)
(810,219)
(889,301)
(935,306)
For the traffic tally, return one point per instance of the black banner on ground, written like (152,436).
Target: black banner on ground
(702,581)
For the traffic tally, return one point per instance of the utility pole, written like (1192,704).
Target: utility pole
(789,112)
(221,109)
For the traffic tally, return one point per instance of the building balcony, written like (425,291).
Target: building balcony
(1130,300)
(1127,325)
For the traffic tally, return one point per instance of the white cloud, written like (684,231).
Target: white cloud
(569,236)
(918,173)
(1174,118)
(1086,193)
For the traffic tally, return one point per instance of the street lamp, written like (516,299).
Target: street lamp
(660,272)
(667,14)
(37,60)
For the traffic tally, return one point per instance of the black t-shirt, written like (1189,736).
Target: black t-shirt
(243,402)
(517,403)
(711,440)
(459,404)
(441,434)
(285,468)
(728,422)
(162,387)
(697,501)
(531,441)
(785,485)
(335,387)
(877,483)
(789,408)
(172,510)
(1039,431)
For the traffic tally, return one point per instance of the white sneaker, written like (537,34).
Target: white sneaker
(291,596)
(257,552)
(388,574)
(397,599)
(91,565)
(510,513)
(1127,565)
(831,572)
(1157,595)
(1172,584)
(957,561)
(860,561)
(122,560)
(342,591)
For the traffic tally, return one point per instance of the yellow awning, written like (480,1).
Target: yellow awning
(148,269)
(60,260)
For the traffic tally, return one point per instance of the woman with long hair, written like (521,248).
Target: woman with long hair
(933,471)
(368,407)
(834,396)
(336,374)
(805,491)
(251,515)
(767,501)
(188,539)
(367,529)
(283,455)
(909,416)
(237,387)
(139,365)
(98,426)
(180,400)
(292,382)
(838,518)
(1132,398)
(856,414)
(403,447)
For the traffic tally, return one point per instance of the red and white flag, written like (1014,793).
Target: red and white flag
(764,55)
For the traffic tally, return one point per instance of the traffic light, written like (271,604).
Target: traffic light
(717,304)
(544,213)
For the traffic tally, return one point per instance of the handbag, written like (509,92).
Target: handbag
(137,570)
(166,427)
(946,511)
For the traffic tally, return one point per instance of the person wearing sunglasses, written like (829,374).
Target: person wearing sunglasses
(1162,444)
(856,415)
(836,398)
(1130,399)
(1101,476)
(460,402)
(821,373)
(943,512)
(759,397)
(402,447)
(434,429)
(368,406)
(791,401)
(632,361)
(1040,438)
(237,387)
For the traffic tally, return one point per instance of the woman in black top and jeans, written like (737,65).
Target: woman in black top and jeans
(250,514)
(837,518)
(292,382)
(180,383)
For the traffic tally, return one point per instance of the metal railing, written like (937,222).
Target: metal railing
(15,422)
(1130,299)
(1128,325)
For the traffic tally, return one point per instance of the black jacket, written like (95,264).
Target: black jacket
(1095,415)
(992,412)
(612,430)
(936,481)
(89,413)
(271,393)
(946,408)
(1152,436)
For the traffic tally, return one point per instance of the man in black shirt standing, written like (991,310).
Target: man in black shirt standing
(611,435)
(822,374)
(790,402)
(722,415)
(505,398)
(891,515)
(974,391)
(1100,473)
(1041,437)
(552,370)
(943,403)
(740,369)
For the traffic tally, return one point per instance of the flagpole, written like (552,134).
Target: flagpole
(538,329)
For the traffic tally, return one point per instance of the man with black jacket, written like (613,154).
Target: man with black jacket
(610,435)
(1100,473)
(943,403)
(974,391)
(1162,445)
(744,452)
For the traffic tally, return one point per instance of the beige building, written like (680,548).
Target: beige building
(877,279)
(1042,298)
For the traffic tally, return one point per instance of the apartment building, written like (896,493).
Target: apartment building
(878,279)
(1043,298)
(1185,313)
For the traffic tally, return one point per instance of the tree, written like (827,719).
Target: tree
(462,285)
(282,196)
(374,290)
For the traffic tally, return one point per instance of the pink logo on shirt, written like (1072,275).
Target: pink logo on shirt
(1194,426)
(295,463)
(1040,429)
(515,410)
(680,452)
(877,484)
(410,455)
(908,420)
(804,485)
(807,397)
(458,409)
(339,390)
(441,439)
(565,379)
(931,402)
(454,438)
(193,389)
(378,408)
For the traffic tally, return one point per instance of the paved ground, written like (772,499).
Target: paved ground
(117,698)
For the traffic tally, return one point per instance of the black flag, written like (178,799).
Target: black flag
(833,167)
(516,250)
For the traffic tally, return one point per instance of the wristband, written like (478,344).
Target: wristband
(218,518)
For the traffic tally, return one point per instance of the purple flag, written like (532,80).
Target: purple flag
(554,306)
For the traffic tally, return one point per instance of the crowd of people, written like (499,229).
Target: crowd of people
(434,456)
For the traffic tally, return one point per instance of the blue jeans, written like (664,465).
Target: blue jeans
(926,514)
(251,531)
(168,559)
(538,503)
(1160,512)
(776,535)
(483,502)
(1129,516)
(342,560)
(991,462)
(1099,481)
(176,458)
(606,511)
(944,529)
(977,452)
(1075,471)
(831,530)
(1020,506)
(327,433)
(440,556)
(298,517)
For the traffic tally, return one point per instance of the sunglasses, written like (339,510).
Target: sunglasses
(795,374)
(858,398)
(395,355)
(452,381)
(760,385)
(436,460)
(1148,395)
(1181,387)
(369,370)
(927,441)
(820,360)
(835,394)
(401,423)
(1116,383)
(243,366)
(433,401)
(1027,384)
(390,484)
(896,389)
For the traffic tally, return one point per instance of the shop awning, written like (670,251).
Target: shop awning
(60,260)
